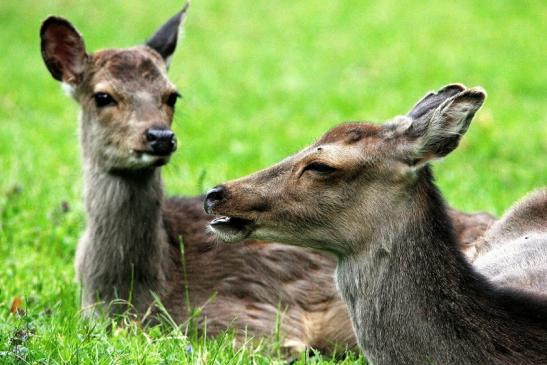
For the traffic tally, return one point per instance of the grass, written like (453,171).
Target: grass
(260,80)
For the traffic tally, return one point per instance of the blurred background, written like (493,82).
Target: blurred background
(260,80)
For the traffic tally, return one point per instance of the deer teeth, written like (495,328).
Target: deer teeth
(221,220)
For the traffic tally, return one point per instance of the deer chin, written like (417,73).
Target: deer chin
(144,159)
(231,229)
(154,160)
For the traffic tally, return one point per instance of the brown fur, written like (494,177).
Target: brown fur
(412,296)
(131,246)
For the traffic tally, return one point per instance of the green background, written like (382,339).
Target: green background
(260,80)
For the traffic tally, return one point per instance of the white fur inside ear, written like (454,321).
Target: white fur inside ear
(68,89)
(448,122)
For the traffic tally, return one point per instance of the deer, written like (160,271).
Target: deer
(365,194)
(139,246)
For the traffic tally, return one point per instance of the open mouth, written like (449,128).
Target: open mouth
(231,229)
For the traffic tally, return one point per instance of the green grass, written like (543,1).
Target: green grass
(260,80)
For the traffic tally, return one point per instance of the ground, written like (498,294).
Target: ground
(259,80)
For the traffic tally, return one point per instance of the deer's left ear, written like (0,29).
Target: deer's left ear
(437,133)
(164,41)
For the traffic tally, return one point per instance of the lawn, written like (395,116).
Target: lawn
(260,80)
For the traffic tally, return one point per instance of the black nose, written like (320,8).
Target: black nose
(162,141)
(214,196)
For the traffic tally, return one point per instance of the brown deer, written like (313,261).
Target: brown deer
(131,246)
(365,193)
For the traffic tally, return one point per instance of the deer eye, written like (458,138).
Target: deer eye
(103,99)
(172,99)
(320,168)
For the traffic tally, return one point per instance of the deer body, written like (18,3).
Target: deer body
(365,193)
(520,232)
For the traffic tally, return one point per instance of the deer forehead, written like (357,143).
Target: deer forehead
(123,68)
(351,133)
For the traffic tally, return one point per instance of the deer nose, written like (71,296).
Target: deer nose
(162,141)
(213,197)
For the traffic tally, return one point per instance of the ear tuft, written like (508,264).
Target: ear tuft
(438,132)
(456,113)
(164,41)
(63,50)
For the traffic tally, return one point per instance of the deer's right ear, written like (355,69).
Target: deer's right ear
(164,41)
(63,50)
(433,100)
(438,131)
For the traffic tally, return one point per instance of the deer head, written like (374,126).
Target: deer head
(334,194)
(126,98)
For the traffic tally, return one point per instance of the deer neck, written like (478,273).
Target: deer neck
(409,293)
(126,240)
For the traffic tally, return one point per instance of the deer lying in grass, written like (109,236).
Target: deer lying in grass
(131,245)
(365,193)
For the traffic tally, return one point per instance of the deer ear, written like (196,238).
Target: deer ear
(438,132)
(164,41)
(63,50)
(433,100)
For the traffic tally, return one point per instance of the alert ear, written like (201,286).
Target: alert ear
(434,99)
(164,41)
(63,50)
(437,132)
